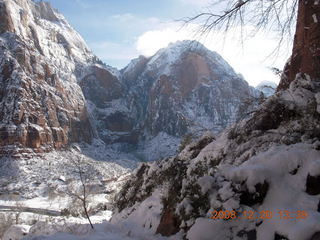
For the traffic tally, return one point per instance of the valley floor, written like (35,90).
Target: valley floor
(34,203)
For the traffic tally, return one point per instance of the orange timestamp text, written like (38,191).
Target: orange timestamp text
(249,215)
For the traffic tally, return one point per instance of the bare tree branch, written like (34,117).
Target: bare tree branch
(276,15)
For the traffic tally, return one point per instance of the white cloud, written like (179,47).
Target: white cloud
(113,51)
(249,59)
(150,42)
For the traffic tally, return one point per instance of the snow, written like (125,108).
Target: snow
(315,19)
(185,205)
(204,229)
(206,183)
(35,176)
(102,231)
(165,58)
(272,166)
(285,189)
(226,191)
(147,214)
(16,232)
(157,147)
(267,87)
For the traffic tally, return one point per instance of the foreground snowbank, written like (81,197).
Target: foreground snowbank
(69,231)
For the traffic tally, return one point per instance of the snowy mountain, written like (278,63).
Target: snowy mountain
(187,87)
(184,88)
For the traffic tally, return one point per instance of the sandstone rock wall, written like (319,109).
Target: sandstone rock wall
(42,106)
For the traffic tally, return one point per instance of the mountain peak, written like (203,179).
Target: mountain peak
(181,46)
(166,58)
(187,44)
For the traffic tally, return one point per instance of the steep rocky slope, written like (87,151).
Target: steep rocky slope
(262,173)
(42,62)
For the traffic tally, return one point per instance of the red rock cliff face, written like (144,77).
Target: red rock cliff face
(41,104)
(200,91)
(180,89)
(305,56)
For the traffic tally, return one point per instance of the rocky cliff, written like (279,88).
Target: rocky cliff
(42,61)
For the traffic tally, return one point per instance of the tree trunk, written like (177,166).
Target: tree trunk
(86,212)
(305,57)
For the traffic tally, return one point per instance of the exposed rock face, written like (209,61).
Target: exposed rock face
(184,88)
(169,224)
(305,57)
(41,104)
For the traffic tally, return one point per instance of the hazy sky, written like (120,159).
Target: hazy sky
(120,30)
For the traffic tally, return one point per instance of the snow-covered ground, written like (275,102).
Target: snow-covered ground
(34,190)
(102,231)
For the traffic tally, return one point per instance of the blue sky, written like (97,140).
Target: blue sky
(117,24)
(120,30)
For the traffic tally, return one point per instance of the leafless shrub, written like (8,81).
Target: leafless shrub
(79,191)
